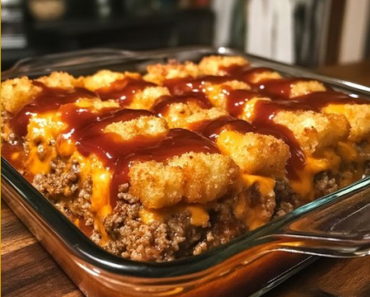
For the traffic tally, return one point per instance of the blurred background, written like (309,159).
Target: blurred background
(309,33)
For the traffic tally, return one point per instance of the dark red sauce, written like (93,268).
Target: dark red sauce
(265,112)
(47,100)
(88,230)
(264,125)
(87,131)
(175,143)
(245,73)
(279,87)
(182,86)
(7,151)
(163,103)
(123,90)
(86,128)
(236,100)
(212,128)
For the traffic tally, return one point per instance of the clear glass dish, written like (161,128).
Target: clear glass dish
(337,225)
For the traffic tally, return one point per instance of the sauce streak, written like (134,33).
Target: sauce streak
(263,123)
(266,110)
(175,143)
(86,128)
(245,73)
(87,131)
(123,90)
(213,128)
(279,87)
(182,86)
(47,100)
(237,99)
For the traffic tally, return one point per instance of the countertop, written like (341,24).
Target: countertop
(28,270)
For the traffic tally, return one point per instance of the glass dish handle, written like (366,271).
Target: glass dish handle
(338,229)
(55,61)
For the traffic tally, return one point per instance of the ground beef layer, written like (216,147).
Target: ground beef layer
(164,241)
(130,238)
(173,238)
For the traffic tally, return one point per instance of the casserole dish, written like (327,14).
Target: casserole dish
(242,267)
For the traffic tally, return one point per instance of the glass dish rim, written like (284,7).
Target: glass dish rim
(84,248)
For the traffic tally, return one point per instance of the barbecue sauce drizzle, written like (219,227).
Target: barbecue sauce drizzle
(123,90)
(276,90)
(47,100)
(86,129)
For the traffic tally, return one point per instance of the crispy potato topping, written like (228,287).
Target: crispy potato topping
(146,99)
(358,117)
(143,126)
(314,131)
(16,93)
(59,80)
(301,88)
(159,73)
(191,177)
(181,115)
(104,78)
(264,76)
(215,65)
(254,153)
(217,93)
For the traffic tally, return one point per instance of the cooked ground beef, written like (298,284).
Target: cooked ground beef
(6,134)
(129,236)
(325,183)
(64,189)
(286,199)
(58,181)
(174,238)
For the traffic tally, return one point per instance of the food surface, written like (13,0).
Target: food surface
(186,157)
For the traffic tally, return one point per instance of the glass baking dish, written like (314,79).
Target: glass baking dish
(337,225)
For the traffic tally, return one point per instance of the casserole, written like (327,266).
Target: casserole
(220,259)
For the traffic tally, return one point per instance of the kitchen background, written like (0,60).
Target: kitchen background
(309,33)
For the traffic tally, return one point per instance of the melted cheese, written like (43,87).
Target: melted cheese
(249,108)
(255,214)
(100,198)
(303,186)
(348,152)
(334,108)
(42,132)
(198,214)
(266,185)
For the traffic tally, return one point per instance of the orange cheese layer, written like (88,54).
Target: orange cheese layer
(254,213)
(304,186)
(43,130)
